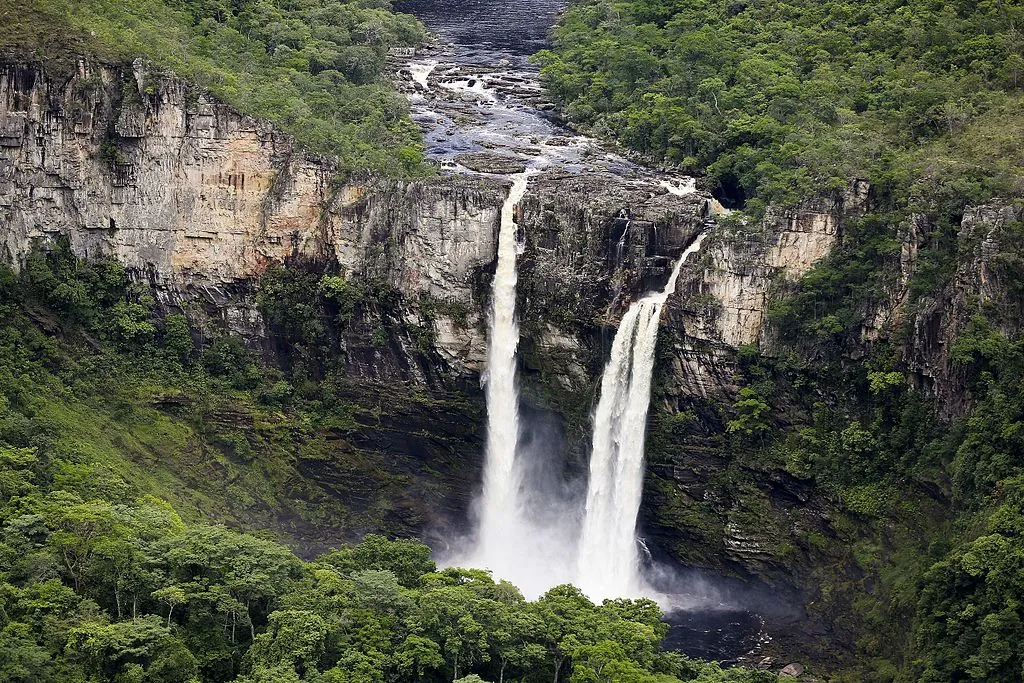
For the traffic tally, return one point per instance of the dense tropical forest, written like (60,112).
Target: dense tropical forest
(782,102)
(776,100)
(314,68)
(103,580)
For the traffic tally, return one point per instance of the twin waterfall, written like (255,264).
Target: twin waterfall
(513,540)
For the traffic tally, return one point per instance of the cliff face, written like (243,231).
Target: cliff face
(988,242)
(700,501)
(722,302)
(198,200)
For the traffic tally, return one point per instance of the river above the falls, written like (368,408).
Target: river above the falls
(479,102)
(488,31)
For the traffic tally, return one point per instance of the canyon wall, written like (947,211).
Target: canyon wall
(199,200)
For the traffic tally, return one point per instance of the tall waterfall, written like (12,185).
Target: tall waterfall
(608,561)
(501,525)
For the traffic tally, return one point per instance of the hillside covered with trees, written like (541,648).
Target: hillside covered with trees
(314,68)
(784,102)
(776,101)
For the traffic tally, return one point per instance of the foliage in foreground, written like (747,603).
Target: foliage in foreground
(100,581)
(314,68)
(777,100)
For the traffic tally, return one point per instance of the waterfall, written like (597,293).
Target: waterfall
(421,72)
(608,560)
(502,529)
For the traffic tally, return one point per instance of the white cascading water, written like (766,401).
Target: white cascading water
(421,72)
(502,529)
(608,560)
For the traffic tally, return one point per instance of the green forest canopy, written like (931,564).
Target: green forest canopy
(779,100)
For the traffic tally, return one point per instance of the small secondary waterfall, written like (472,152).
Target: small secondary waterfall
(502,529)
(608,560)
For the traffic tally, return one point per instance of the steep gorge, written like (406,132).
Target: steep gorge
(199,201)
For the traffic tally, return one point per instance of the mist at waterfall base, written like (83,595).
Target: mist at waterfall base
(532,527)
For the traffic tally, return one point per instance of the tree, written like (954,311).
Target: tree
(17,473)
(178,338)
(79,530)
(145,646)
(408,560)
(511,628)
(564,614)
(417,655)
(22,660)
(448,616)
(253,571)
(172,596)
(752,413)
(378,590)
(293,637)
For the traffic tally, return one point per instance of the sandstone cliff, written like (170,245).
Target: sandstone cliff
(198,200)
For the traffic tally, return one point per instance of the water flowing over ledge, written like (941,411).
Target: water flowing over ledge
(609,561)
(503,532)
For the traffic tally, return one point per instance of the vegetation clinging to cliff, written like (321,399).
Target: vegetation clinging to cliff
(314,68)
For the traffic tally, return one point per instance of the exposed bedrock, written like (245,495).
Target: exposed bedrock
(199,200)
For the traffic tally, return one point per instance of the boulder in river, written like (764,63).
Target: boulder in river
(792,670)
(490,162)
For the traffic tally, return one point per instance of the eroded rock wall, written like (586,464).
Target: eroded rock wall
(982,286)
(200,199)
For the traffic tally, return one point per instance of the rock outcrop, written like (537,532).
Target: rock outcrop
(981,286)
(199,200)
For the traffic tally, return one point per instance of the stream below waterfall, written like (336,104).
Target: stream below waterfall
(480,105)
